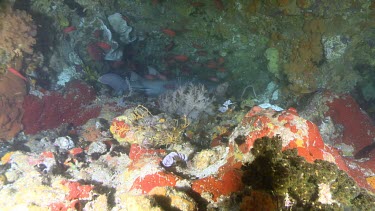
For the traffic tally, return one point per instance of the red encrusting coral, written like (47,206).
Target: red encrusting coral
(303,135)
(300,133)
(77,190)
(75,193)
(159,179)
(227,181)
(72,106)
(359,130)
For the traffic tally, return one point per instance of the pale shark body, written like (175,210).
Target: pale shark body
(151,88)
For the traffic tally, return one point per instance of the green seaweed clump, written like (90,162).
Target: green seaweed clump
(90,74)
(299,184)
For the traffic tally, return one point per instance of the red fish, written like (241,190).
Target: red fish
(150,77)
(221,69)
(220,60)
(219,4)
(162,77)
(117,64)
(170,46)
(15,72)
(169,32)
(181,58)
(103,45)
(155,2)
(170,86)
(197,46)
(98,33)
(95,52)
(69,29)
(214,79)
(211,64)
(201,53)
(197,4)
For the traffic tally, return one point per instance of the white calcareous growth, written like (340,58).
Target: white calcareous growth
(325,194)
(64,143)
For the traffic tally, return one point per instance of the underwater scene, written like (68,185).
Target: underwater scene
(187,105)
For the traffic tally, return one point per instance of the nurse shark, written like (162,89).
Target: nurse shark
(152,88)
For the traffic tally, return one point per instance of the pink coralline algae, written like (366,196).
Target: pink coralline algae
(74,105)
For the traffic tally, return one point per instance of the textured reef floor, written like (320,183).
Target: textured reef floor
(127,158)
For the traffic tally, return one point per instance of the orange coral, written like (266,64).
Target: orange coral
(226,183)
(12,91)
(158,179)
(17,34)
(371,181)
(283,3)
(306,55)
(119,129)
(258,200)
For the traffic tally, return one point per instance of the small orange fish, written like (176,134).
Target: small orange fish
(150,77)
(219,4)
(69,29)
(75,151)
(181,58)
(196,4)
(221,69)
(220,60)
(170,46)
(162,77)
(201,53)
(103,45)
(98,33)
(197,46)
(211,64)
(214,79)
(15,72)
(169,32)
(117,64)
(155,2)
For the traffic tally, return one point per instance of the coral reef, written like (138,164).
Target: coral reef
(42,114)
(294,170)
(134,157)
(17,34)
(189,100)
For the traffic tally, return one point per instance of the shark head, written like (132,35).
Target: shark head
(116,82)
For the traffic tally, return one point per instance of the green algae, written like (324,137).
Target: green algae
(287,174)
